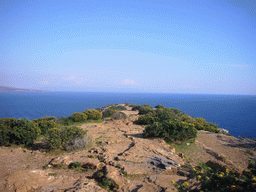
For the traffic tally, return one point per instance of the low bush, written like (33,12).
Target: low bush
(69,138)
(202,124)
(159,107)
(171,130)
(6,126)
(78,117)
(144,109)
(21,131)
(76,143)
(147,119)
(135,107)
(45,123)
(127,104)
(109,112)
(74,165)
(216,180)
(93,114)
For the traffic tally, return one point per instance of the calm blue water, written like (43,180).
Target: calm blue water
(235,113)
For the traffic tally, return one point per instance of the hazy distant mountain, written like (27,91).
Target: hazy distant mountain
(5,88)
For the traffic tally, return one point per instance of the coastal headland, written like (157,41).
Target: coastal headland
(119,158)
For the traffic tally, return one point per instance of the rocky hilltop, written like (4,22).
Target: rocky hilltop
(119,158)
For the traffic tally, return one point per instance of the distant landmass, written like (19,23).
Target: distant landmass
(5,88)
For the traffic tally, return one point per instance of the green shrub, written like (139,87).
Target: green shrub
(53,138)
(93,114)
(214,180)
(109,112)
(21,131)
(159,107)
(78,117)
(135,107)
(63,137)
(166,114)
(45,123)
(6,126)
(127,104)
(171,130)
(144,109)
(188,119)
(74,165)
(202,124)
(147,119)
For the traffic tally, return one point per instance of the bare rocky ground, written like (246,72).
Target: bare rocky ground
(118,150)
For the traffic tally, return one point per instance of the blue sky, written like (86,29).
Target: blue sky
(178,46)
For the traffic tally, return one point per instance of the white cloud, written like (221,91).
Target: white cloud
(130,82)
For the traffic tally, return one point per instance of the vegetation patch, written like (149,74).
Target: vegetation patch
(20,131)
(104,182)
(93,114)
(118,108)
(74,165)
(52,174)
(68,138)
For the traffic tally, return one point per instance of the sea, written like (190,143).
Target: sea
(236,113)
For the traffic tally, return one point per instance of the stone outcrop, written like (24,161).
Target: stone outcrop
(91,163)
(114,174)
(60,160)
(163,163)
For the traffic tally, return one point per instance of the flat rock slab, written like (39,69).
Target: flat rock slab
(163,163)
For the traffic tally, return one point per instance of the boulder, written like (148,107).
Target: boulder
(60,160)
(163,163)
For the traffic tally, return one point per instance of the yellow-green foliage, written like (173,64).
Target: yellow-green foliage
(202,124)
(58,137)
(21,131)
(147,119)
(53,138)
(93,114)
(78,117)
(6,126)
(226,180)
(44,124)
